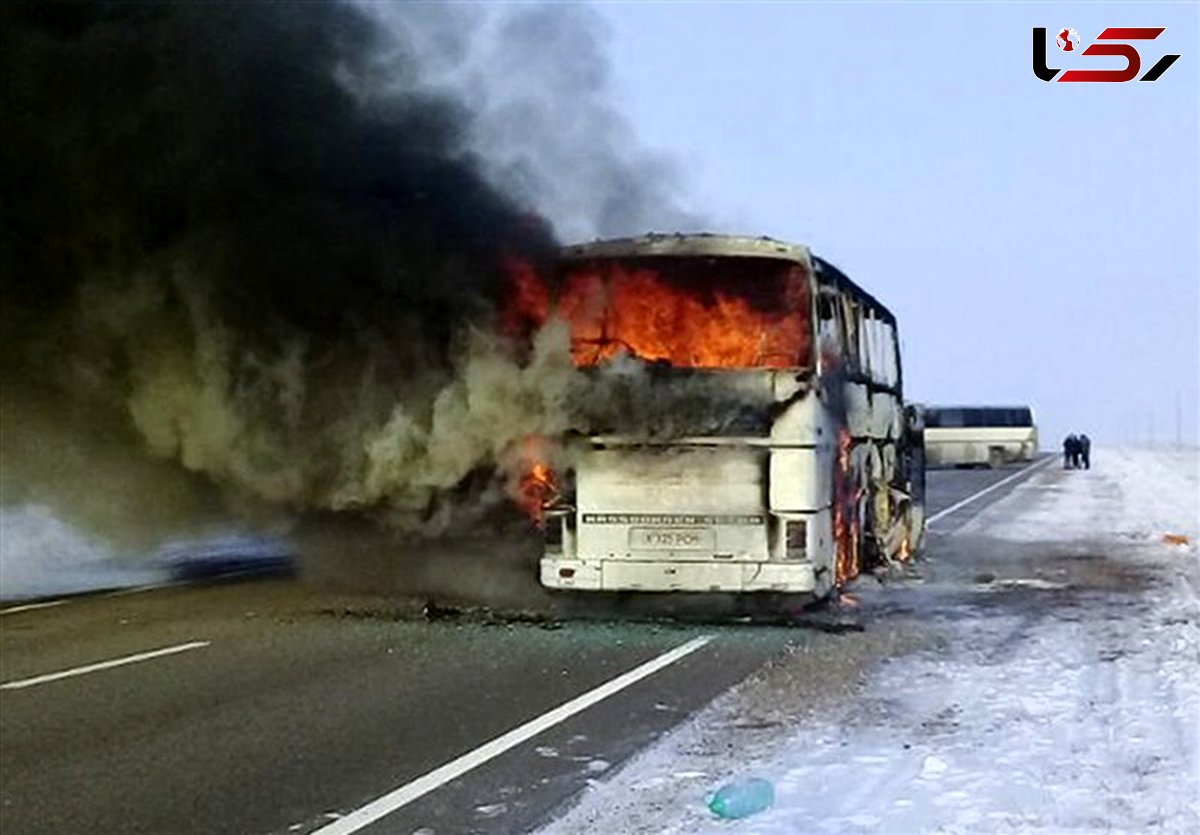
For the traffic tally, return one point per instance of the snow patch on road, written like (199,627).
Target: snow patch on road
(1050,706)
(41,556)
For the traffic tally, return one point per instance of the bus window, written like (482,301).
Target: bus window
(829,336)
(996,417)
(849,316)
(946,419)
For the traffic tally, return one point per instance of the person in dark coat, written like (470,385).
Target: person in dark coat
(1085,451)
(1070,451)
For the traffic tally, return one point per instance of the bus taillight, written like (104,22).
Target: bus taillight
(796,539)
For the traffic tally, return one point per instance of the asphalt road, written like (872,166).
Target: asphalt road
(264,706)
(947,490)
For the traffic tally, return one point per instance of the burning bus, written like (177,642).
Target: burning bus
(748,431)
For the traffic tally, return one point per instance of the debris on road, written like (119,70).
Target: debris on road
(743,798)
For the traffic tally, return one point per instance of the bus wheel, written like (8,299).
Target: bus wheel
(996,457)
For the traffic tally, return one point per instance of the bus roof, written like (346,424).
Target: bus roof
(684,245)
(976,406)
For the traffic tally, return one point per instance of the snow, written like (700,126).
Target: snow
(41,556)
(1135,494)
(1062,696)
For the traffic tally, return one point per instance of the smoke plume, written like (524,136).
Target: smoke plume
(252,252)
(539,85)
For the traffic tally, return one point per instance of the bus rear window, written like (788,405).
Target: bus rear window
(978,417)
(687,312)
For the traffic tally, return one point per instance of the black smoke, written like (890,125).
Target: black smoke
(251,253)
(246,233)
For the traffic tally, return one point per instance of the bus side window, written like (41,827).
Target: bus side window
(829,339)
(866,345)
(882,350)
(880,341)
(892,346)
(825,310)
(862,323)
(850,313)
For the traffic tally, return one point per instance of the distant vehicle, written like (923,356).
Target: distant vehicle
(979,435)
(228,556)
(797,468)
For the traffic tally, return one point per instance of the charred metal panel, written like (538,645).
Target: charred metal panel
(672,503)
(797,482)
(858,410)
(798,420)
(887,416)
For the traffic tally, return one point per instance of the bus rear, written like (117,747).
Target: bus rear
(673,493)
(691,518)
(730,465)
(991,436)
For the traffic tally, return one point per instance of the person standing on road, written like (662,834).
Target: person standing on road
(1070,443)
(1085,451)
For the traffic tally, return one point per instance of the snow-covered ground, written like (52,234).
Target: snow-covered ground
(43,556)
(40,556)
(1059,692)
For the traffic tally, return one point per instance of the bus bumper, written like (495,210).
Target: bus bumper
(633,575)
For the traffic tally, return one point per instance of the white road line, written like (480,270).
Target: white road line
(439,777)
(124,592)
(142,589)
(28,607)
(46,604)
(988,489)
(102,665)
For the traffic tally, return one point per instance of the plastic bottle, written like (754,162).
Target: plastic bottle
(743,798)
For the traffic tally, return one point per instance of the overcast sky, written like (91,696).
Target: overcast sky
(1038,241)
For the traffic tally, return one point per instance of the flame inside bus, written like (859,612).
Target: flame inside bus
(686,312)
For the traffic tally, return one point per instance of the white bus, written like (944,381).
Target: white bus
(979,435)
(801,465)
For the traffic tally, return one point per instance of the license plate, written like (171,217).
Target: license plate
(672,539)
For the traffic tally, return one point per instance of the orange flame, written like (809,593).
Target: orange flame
(536,485)
(845,526)
(528,305)
(750,319)
(536,489)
